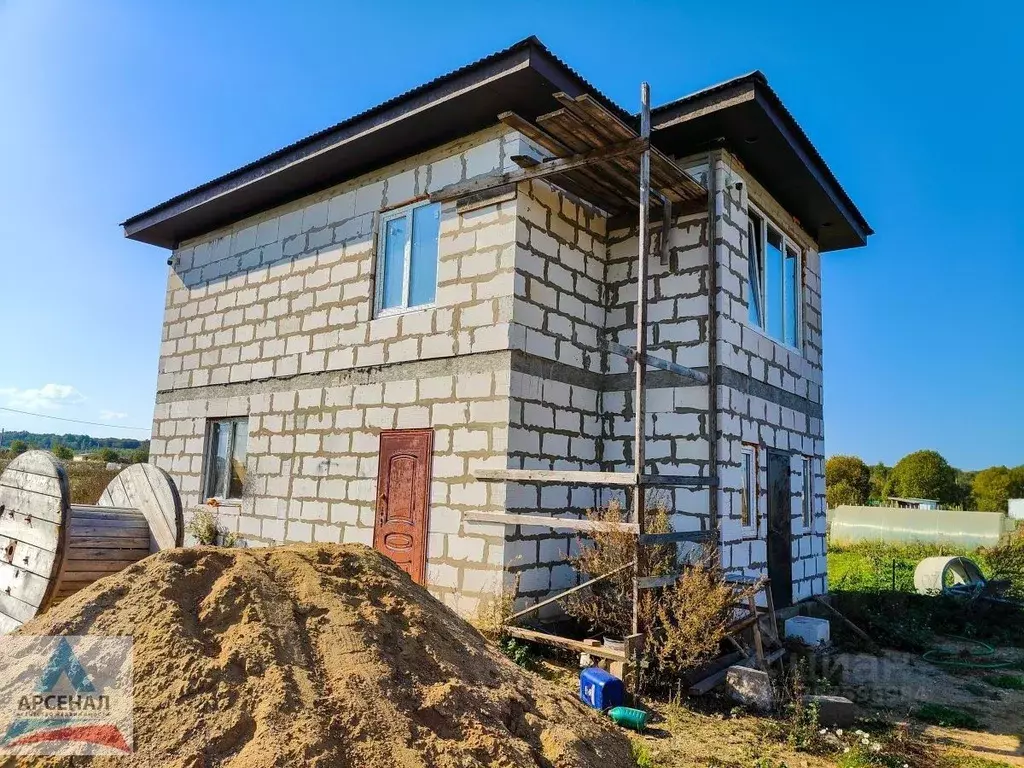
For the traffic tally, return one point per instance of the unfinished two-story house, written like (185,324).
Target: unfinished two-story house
(417,329)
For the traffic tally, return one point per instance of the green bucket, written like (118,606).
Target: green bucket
(629,717)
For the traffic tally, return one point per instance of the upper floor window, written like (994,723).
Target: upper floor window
(225,458)
(407,258)
(774,264)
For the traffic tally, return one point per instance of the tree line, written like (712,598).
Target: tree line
(130,455)
(921,475)
(77,443)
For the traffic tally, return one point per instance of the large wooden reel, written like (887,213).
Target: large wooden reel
(50,548)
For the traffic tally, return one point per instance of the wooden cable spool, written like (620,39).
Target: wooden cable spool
(50,548)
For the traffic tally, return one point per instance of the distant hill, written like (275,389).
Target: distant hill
(77,443)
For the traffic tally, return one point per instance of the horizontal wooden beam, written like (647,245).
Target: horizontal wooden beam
(587,477)
(655,539)
(582,646)
(544,521)
(539,171)
(566,476)
(656,582)
(562,595)
(656,362)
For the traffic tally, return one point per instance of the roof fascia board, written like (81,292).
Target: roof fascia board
(823,181)
(517,61)
(730,97)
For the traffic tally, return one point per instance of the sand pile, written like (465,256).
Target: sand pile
(320,656)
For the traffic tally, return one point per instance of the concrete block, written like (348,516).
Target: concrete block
(750,687)
(833,711)
(812,631)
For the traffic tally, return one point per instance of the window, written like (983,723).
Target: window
(808,492)
(407,258)
(225,458)
(748,489)
(774,277)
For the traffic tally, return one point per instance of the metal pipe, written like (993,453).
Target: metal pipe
(712,341)
(639,406)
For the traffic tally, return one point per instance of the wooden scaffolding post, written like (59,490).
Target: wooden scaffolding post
(640,364)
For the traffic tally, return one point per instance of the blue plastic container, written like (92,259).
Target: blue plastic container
(600,690)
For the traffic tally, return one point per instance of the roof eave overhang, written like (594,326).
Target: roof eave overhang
(782,159)
(521,78)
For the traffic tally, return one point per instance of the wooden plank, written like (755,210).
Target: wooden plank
(29,481)
(537,135)
(92,555)
(562,595)
(656,582)
(127,542)
(28,591)
(657,539)
(691,481)
(130,527)
(713,681)
(656,362)
(539,171)
(8,625)
(96,512)
(564,642)
(758,641)
(38,533)
(542,521)
(567,477)
(20,504)
(95,530)
(28,587)
(37,560)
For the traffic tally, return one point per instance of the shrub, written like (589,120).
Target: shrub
(684,623)
(205,526)
(947,717)
(62,452)
(608,605)
(1006,562)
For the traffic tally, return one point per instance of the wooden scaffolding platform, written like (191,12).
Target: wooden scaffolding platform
(602,160)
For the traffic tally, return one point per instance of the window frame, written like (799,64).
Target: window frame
(383,218)
(764,302)
(807,492)
(222,494)
(752,483)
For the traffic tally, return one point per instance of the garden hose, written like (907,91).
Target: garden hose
(946,658)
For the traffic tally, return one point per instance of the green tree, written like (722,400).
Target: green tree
(994,486)
(18,447)
(853,473)
(106,455)
(62,452)
(837,494)
(140,455)
(923,475)
(879,477)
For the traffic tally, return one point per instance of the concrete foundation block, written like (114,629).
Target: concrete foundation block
(833,711)
(750,687)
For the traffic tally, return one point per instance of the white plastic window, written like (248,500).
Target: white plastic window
(227,440)
(774,275)
(748,490)
(407,258)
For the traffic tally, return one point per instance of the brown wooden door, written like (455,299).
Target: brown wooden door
(403,498)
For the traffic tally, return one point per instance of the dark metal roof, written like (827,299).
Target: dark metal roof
(521,78)
(754,123)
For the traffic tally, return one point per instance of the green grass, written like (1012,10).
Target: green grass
(948,717)
(642,755)
(970,761)
(1006,682)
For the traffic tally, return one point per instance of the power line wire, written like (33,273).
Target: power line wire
(74,421)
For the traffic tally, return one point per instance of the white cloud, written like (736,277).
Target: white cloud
(113,415)
(49,397)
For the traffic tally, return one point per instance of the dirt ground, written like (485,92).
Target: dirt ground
(897,684)
(888,689)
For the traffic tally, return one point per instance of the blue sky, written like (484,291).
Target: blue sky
(111,107)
